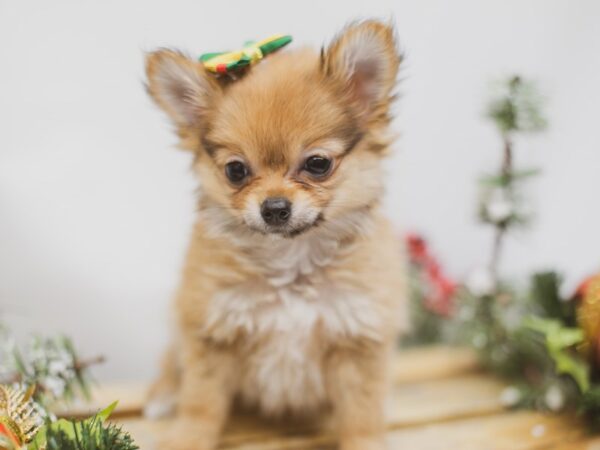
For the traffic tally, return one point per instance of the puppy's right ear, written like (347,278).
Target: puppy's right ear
(180,86)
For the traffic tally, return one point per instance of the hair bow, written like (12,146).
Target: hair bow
(250,54)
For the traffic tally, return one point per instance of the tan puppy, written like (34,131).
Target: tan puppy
(290,298)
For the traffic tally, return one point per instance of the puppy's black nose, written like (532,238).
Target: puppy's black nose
(276,210)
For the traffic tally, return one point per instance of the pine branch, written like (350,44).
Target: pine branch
(87,435)
(79,366)
(90,434)
(52,365)
(516,109)
(502,226)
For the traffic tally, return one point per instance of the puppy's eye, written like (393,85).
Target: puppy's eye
(236,171)
(317,165)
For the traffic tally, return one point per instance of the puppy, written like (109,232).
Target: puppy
(292,287)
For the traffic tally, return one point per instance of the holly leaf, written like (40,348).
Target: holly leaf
(568,365)
(106,412)
(558,340)
(558,336)
(543,326)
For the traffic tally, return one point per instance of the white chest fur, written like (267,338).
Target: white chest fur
(279,318)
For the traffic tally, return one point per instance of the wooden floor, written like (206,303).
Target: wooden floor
(441,400)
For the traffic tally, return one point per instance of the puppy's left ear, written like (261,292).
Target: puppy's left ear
(365,59)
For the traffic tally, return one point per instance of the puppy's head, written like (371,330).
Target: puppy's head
(297,141)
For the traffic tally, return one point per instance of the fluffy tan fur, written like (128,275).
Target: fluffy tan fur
(301,320)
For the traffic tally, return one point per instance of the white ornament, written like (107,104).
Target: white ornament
(500,207)
(510,397)
(480,282)
(554,398)
(537,431)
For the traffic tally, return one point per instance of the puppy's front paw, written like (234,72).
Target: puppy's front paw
(363,443)
(160,406)
(161,400)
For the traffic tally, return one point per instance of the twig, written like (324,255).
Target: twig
(78,366)
(501,227)
(87,363)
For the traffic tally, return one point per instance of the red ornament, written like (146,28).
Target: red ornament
(19,420)
(10,435)
(440,288)
(583,287)
(587,298)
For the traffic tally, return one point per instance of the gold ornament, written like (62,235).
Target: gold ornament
(19,419)
(588,318)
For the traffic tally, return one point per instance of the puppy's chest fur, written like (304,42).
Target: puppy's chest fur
(284,321)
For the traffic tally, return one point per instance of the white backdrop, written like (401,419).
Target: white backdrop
(96,205)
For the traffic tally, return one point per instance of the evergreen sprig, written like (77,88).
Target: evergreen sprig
(515,108)
(52,365)
(427,327)
(590,406)
(526,336)
(91,434)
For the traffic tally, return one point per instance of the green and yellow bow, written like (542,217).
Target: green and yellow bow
(230,62)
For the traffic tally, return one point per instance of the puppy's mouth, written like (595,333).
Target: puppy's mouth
(288,231)
(292,232)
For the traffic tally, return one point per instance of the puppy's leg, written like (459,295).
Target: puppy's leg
(204,399)
(357,384)
(162,396)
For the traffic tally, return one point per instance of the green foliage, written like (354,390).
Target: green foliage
(90,434)
(546,300)
(529,337)
(50,364)
(559,339)
(54,368)
(503,180)
(426,326)
(590,406)
(516,106)
(493,326)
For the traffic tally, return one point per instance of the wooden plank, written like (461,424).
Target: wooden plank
(146,433)
(445,399)
(413,365)
(131,398)
(515,431)
(587,443)
(433,362)
(412,404)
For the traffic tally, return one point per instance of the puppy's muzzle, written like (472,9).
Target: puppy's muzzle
(276,211)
